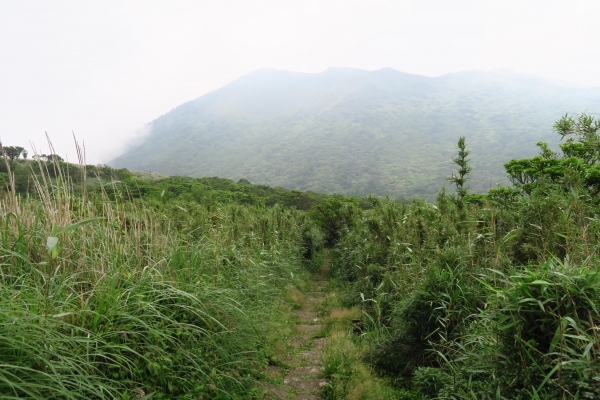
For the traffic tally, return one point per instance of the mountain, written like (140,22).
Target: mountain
(352,131)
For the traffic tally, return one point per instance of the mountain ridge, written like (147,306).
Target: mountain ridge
(353,131)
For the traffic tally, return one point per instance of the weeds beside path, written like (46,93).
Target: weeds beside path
(323,350)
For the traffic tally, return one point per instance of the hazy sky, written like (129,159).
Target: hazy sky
(104,69)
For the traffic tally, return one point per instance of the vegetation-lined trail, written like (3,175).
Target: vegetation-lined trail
(190,288)
(302,381)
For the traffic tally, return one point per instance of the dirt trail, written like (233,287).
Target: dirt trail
(302,381)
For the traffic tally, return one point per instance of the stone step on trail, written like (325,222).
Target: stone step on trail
(308,316)
(305,372)
(311,385)
(312,329)
(319,344)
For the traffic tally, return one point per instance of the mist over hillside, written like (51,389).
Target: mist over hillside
(352,131)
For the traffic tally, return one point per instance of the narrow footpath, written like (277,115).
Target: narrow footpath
(301,381)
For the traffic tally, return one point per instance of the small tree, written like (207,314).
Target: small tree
(578,163)
(13,152)
(25,154)
(459,178)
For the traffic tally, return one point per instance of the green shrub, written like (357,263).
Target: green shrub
(547,317)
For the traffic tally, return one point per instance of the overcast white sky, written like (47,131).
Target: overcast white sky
(104,69)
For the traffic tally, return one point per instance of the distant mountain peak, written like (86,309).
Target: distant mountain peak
(353,131)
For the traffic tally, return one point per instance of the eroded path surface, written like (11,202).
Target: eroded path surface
(301,376)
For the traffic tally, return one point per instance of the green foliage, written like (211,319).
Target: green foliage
(433,317)
(46,170)
(546,320)
(335,216)
(214,190)
(429,381)
(121,183)
(578,163)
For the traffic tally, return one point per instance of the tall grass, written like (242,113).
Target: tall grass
(167,299)
(495,299)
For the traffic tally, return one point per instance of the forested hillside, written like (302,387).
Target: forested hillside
(353,132)
(29,175)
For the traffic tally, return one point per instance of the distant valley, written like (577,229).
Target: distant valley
(356,132)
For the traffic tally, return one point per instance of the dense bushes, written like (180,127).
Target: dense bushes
(546,321)
(487,297)
(214,191)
